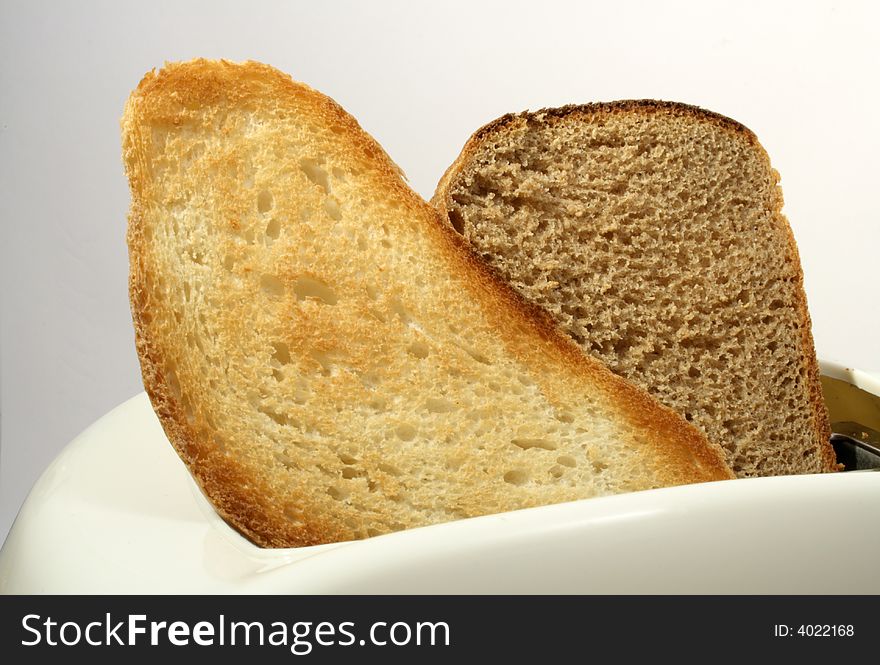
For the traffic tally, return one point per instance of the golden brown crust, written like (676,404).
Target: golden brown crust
(441,201)
(224,482)
(157,100)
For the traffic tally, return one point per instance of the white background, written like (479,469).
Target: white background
(420,77)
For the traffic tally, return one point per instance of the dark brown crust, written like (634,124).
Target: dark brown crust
(440,200)
(224,481)
(621,106)
(821,423)
(595,108)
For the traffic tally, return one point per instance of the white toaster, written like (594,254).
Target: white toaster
(93,525)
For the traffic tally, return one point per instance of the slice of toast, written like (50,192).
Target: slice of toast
(328,358)
(652,232)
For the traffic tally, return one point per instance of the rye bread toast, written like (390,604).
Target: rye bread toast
(652,232)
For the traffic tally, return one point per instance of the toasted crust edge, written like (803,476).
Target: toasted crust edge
(440,200)
(220,478)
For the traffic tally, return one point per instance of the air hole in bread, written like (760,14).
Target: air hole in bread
(599,465)
(516,477)
(331,206)
(372,292)
(279,418)
(229,262)
(369,379)
(390,469)
(281,353)
(564,417)
(265,201)
(557,471)
(294,514)
(172,382)
(272,285)
(476,355)
(621,346)
(351,472)
(566,460)
(273,229)
(457,222)
(314,172)
(617,188)
(345,458)
(693,372)
(188,410)
(405,432)
(454,462)
(418,349)
(439,405)
(285,461)
(338,493)
(526,444)
(401,311)
(309,287)
(325,360)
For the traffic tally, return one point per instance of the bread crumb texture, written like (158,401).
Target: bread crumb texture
(327,356)
(652,233)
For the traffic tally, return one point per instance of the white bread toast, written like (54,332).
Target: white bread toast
(652,232)
(328,358)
